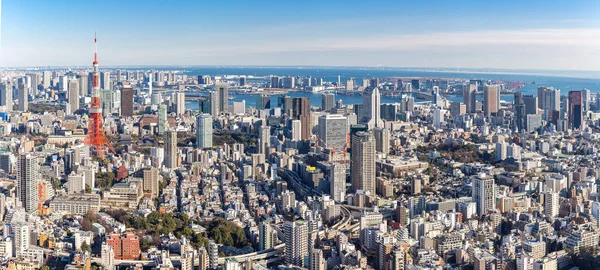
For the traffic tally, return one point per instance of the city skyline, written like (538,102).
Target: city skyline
(555,36)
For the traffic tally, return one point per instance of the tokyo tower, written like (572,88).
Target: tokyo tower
(95,137)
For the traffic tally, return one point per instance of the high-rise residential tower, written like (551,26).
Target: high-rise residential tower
(171,149)
(204,130)
(27,182)
(363,162)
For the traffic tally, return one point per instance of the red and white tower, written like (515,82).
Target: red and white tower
(95,137)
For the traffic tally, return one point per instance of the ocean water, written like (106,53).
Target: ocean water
(331,74)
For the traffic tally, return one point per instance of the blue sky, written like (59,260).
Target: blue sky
(510,34)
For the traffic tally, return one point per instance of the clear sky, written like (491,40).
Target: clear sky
(511,34)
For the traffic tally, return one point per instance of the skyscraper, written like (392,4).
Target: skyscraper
(127,101)
(296,130)
(491,99)
(84,86)
(267,236)
(484,193)
(204,130)
(223,92)
(171,149)
(23,98)
(531,104)
(337,182)
(469,98)
(73,96)
(332,131)
(301,111)
(263,102)
(551,203)
(372,108)
(47,78)
(6,95)
(151,181)
(575,110)
(163,123)
(382,140)
(327,102)
(105,80)
(549,102)
(27,182)
(180,102)
(296,242)
(264,135)
(363,162)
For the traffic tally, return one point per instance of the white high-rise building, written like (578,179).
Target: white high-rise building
(150,84)
(363,162)
(180,102)
(267,236)
(484,193)
(108,257)
(551,203)
(76,183)
(372,108)
(382,140)
(438,117)
(317,262)
(501,151)
(296,130)
(163,122)
(204,130)
(21,236)
(332,131)
(47,78)
(27,182)
(296,242)
(337,182)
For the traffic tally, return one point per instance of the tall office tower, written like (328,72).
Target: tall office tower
(317,262)
(150,181)
(286,104)
(296,130)
(223,92)
(213,255)
(407,103)
(469,98)
(150,81)
(35,81)
(587,97)
(551,203)
(518,98)
(491,99)
(416,84)
(575,110)
(105,80)
(382,140)
(519,112)
(332,131)
(73,96)
(327,102)
(301,111)
(263,102)
(531,104)
(275,82)
(84,86)
(204,131)
(23,98)
(127,100)
(372,108)
(6,98)
(296,242)
(549,102)
(264,136)
(27,182)
(214,104)
(119,75)
(484,193)
(363,162)
(179,97)
(438,117)
(163,122)
(171,149)
(457,108)
(337,182)
(107,104)
(47,79)
(289,82)
(267,236)
(350,84)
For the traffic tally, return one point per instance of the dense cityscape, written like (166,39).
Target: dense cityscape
(156,169)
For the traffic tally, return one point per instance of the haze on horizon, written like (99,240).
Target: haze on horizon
(554,35)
